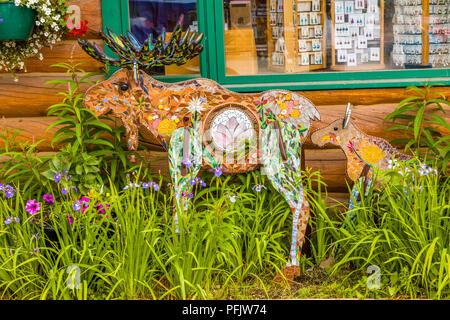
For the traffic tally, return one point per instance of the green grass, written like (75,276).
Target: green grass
(225,250)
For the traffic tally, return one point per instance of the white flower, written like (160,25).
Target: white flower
(196,104)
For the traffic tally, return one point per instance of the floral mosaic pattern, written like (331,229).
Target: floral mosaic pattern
(193,109)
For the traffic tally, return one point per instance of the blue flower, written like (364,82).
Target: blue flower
(57,177)
(187,162)
(9,194)
(76,206)
(8,220)
(218,171)
(16,219)
(155,186)
(145,185)
(64,191)
(258,187)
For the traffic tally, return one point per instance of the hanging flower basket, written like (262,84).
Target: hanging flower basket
(16,22)
(49,27)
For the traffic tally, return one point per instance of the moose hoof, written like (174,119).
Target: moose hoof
(287,275)
(325,264)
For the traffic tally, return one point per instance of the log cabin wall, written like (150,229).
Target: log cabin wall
(24,104)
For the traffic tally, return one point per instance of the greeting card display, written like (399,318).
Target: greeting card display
(296,35)
(310,29)
(357,34)
(276,29)
(420,31)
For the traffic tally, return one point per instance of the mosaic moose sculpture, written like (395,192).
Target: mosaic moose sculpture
(202,124)
(367,157)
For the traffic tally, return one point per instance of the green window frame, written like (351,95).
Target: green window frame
(212,60)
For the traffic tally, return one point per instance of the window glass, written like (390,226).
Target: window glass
(151,16)
(295,36)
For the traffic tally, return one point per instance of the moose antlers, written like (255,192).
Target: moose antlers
(133,54)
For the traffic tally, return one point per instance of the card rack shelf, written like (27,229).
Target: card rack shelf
(379,42)
(430,33)
(291,34)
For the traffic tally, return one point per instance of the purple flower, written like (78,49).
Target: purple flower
(258,187)
(69,218)
(9,194)
(8,190)
(218,171)
(186,194)
(32,206)
(35,236)
(187,162)
(16,219)
(49,198)
(8,220)
(145,185)
(76,206)
(65,191)
(57,177)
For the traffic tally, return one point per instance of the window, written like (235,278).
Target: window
(149,17)
(294,36)
(307,44)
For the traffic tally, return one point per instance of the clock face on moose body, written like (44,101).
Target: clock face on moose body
(230,128)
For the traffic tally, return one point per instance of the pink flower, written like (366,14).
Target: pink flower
(84,202)
(32,206)
(101,208)
(49,198)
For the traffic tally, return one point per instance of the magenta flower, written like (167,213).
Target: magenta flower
(49,198)
(32,206)
(101,208)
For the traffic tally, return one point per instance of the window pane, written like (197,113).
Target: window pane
(295,36)
(150,16)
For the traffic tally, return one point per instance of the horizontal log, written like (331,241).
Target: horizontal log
(362,96)
(68,51)
(30,96)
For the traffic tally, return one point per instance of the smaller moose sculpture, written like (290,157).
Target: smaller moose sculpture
(367,156)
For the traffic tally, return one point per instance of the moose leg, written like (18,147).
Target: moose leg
(185,158)
(281,156)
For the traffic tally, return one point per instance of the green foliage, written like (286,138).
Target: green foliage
(89,136)
(83,168)
(20,163)
(405,230)
(423,123)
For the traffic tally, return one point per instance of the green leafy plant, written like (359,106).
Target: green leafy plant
(20,163)
(82,168)
(89,136)
(423,124)
(405,231)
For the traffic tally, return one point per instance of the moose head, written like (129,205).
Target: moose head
(335,133)
(127,86)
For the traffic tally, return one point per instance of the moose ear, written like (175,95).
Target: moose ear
(348,112)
